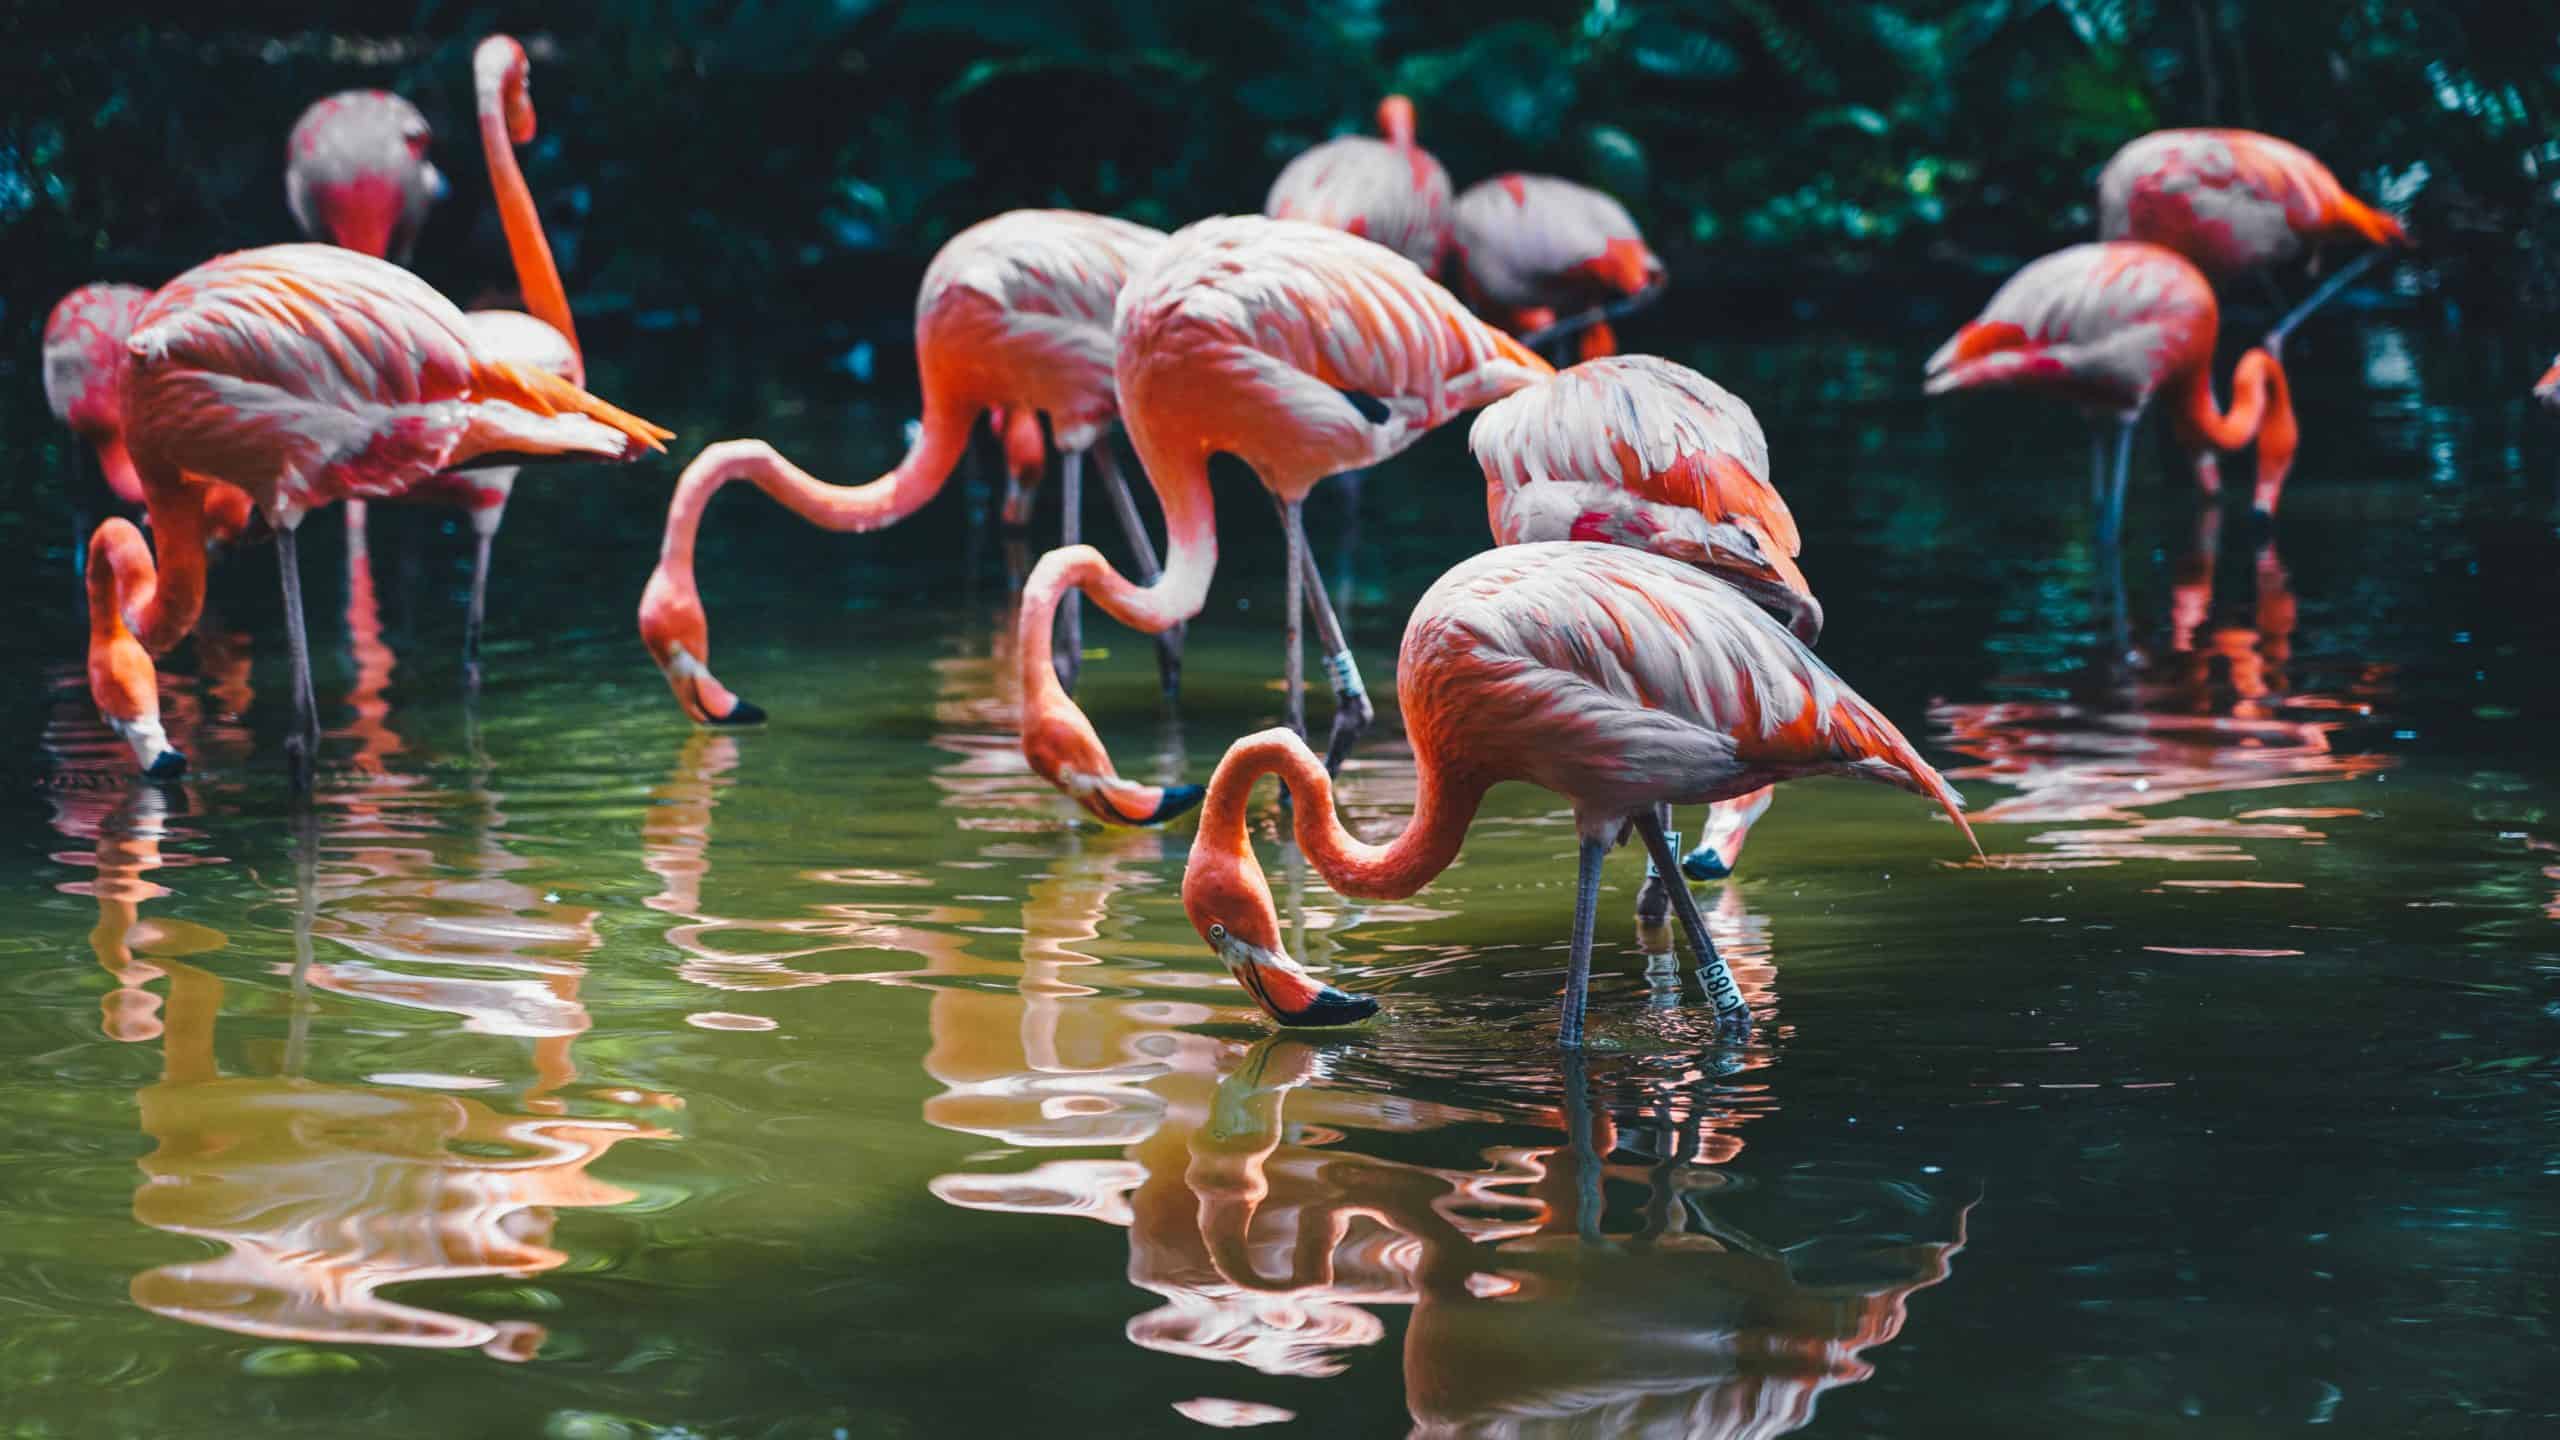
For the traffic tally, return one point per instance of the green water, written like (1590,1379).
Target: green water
(571,1073)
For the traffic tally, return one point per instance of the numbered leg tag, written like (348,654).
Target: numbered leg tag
(1717,979)
(1344,672)
(1671,839)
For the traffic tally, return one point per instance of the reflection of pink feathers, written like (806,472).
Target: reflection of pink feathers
(1391,191)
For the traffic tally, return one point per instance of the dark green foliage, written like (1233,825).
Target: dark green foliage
(775,154)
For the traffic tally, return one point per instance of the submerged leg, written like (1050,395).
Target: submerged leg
(471,620)
(2111,514)
(2327,292)
(1586,916)
(302,742)
(1352,711)
(1067,656)
(1133,528)
(1733,1017)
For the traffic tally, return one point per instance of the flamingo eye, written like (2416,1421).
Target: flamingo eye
(1217,934)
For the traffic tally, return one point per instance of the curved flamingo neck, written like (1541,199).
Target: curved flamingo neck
(537,275)
(1443,808)
(162,613)
(1395,121)
(2256,385)
(117,463)
(885,501)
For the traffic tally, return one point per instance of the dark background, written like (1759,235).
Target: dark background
(797,160)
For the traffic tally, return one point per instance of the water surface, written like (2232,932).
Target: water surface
(568,1072)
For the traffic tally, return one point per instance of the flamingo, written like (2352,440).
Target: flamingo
(1642,452)
(2235,201)
(84,364)
(1391,191)
(1303,351)
(356,173)
(1014,315)
(1618,679)
(1533,247)
(301,374)
(2547,389)
(546,339)
(2107,326)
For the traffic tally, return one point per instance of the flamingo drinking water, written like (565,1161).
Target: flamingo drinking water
(1620,680)
(2107,327)
(1014,315)
(1304,352)
(302,374)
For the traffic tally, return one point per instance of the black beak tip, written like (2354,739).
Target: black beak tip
(169,766)
(1332,1007)
(1705,865)
(1178,799)
(745,712)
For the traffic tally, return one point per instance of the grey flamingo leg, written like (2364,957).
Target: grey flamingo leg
(1586,916)
(2111,514)
(1352,711)
(1653,902)
(1067,654)
(1733,1017)
(1134,528)
(478,612)
(2327,292)
(302,743)
(1293,668)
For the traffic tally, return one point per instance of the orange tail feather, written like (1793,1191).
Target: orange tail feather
(545,394)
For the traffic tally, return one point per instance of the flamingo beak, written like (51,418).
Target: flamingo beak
(1287,993)
(1122,803)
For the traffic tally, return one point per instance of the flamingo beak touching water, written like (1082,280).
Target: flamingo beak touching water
(1250,946)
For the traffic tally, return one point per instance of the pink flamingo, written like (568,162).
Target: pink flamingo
(1533,247)
(1391,191)
(1618,679)
(356,173)
(1014,315)
(302,374)
(2547,389)
(2236,201)
(1645,453)
(84,364)
(2107,326)
(1302,351)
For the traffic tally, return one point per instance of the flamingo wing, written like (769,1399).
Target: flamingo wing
(1024,300)
(2106,323)
(1531,241)
(1610,675)
(1394,195)
(1306,350)
(84,354)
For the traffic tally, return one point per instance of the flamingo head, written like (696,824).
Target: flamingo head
(1229,902)
(1989,354)
(2547,389)
(500,79)
(1026,455)
(1062,748)
(678,635)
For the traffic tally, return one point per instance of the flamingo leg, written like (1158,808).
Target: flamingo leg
(1583,1136)
(1134,528)
(1068,656)
(1733,1017)
(1293,669)
(1351,484)
(302,742)
(2111,513)
(1352,711)
(2327,292)
(478,612)
(1586,916)
(1653,902)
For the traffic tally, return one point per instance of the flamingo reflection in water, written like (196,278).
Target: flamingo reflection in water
(321,1194)
(2216,712)
(1272,1235)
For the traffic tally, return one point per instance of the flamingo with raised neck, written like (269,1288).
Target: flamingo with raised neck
(1619,680)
